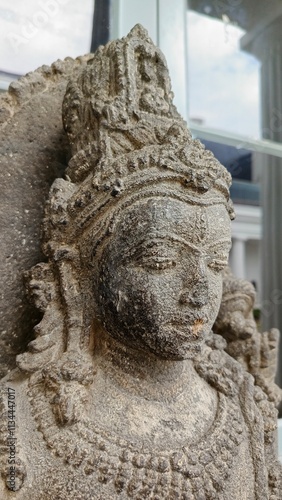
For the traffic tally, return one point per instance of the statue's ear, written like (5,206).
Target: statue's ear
(56,290)
(43,289)
(40,285)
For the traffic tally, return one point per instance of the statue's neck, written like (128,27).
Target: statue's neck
(142,373)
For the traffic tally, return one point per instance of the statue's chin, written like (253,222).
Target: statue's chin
(176,343)
(187,350)
(169,341)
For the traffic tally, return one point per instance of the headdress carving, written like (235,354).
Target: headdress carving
(126,135)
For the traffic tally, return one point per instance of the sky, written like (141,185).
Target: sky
(36,32)
(223,81)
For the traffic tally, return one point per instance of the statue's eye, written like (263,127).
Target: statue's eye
(155,256)
(218,256)
(156,263)
(217,264)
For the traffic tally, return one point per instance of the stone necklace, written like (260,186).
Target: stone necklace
(197,471)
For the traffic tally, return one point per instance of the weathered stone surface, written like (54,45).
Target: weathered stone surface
(33,152)
(256,351)
(125,391)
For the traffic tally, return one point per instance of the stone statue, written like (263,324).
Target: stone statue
(257,352)
(126,392)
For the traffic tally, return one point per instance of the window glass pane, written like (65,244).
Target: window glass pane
(223,80)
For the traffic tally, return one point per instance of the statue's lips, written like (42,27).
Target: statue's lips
(186,331)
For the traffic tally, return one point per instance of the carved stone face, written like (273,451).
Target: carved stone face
(236,319)
(159,282)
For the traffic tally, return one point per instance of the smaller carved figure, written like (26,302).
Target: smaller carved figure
(257,352)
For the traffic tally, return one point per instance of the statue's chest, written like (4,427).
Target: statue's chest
(98,464)
(158,422)
(154,426)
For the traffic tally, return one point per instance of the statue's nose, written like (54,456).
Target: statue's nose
(196,296)
(197,292)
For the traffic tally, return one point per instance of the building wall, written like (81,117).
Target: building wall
(253,265)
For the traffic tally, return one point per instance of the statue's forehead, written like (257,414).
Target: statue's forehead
(158,218)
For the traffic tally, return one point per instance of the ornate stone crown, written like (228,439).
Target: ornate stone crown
(127,137)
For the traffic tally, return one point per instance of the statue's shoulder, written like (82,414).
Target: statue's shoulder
(258,411)
(229,376)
